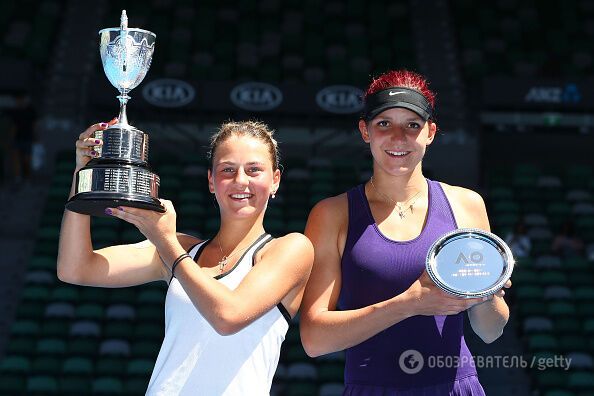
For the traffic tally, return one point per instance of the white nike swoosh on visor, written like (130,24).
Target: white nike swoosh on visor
(392,93)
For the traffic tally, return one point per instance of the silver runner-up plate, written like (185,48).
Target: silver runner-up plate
(470,263)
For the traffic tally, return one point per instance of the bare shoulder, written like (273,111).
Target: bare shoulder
(469,199)
(187,241)
(293,249)
(468,207)
(294,243)
(333,208)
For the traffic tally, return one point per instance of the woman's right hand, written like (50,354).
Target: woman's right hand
(428,299)
(86,142)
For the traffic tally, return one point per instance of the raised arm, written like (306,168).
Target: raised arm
(115,266)
(279,275)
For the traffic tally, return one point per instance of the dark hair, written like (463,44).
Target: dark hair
(402,78)
(254,129)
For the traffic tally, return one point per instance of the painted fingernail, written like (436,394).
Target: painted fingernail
(103,125)
(108,211)
(120,208)
(97,141)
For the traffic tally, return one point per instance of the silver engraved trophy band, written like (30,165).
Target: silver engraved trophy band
(118,179)
(125,145)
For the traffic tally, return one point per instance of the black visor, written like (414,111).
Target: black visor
(396,97)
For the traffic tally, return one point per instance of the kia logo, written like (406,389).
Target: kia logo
(256,96)
(167,92)
(340,99)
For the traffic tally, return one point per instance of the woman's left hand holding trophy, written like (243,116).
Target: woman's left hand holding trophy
(86,143)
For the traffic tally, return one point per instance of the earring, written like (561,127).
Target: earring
(273,195)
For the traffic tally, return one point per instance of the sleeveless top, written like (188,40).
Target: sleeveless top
(195,360)
(375,268)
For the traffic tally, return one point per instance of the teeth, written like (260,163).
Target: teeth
(399,153)
(240,196)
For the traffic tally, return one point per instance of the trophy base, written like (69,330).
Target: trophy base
(95,203)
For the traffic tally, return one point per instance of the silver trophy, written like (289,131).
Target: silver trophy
(470,263)
(120,175)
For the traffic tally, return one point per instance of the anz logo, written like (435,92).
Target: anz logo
(256,96)
(568,94)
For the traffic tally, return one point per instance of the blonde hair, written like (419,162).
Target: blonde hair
(254,129)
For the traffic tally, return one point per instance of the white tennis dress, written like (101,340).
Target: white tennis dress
(195,360)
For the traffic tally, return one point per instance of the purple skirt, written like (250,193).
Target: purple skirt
(467,386)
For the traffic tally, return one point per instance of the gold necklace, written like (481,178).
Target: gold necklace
(403,207)
(225,259)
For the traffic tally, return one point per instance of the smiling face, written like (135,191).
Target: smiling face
(398,139)
(242,177)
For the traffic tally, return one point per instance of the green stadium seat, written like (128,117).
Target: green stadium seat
(567,325)
(74,385)
(559,392)
(15,364)
(42,385)
(43,263)
(581,381)
(331,372)
(110,366)
(12,384)
(118,329)
(83,347)
(136,386)
(571,342)
(77,365)
(140,367)
(65,293)
(51,346)
(46,365)
(301,389)
(551,378)
(145,349)
(542,342)
(25,328)
(107,386)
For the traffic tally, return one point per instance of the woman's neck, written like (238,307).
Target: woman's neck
(400,188)
(233,233)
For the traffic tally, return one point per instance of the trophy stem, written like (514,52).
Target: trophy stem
(122,117)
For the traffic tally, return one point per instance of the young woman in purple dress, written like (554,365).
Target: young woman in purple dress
(368,292)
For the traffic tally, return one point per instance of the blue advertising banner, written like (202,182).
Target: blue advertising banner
(547,95)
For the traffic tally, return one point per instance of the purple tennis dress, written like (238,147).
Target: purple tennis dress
(421,355)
